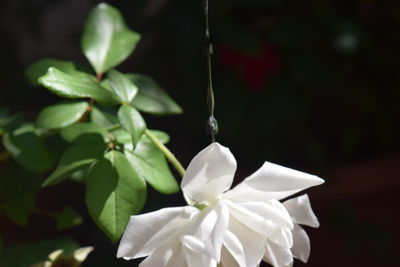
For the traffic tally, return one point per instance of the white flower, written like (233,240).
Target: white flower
(238,227)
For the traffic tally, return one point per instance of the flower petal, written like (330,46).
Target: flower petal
(194,259)
(209,174)
(232,251)
(278,256)
(168,255)
(229,260)
(146,232)
(207,229)
(301,244)
(300,210)
(272,181)
(280,234)
(252,242)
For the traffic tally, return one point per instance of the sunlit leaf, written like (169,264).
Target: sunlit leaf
(106,40)
(104,116)
(39,68)
(61,114)
(132,121)
(150,163)
(122,86)
(114,192)
(75,86)
(151,98)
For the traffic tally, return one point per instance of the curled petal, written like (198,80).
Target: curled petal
(272,181)
(209,174)
(147,232)
(300,210)
(301,244)
(278,256)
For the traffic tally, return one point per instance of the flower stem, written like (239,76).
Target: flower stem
(168,154)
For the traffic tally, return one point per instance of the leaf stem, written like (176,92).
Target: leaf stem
(168,154)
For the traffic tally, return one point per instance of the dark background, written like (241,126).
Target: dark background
(312,85)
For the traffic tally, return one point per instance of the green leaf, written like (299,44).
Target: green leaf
(151,98)
(114,192)
(150,163)
(132,121)
(39,68)
(67,218)
(80,85)
(28,149)
(104,116)
(8,124)
(74,159)
(18,190)
(122,86)
(84,133)
(62,114)
(106,40)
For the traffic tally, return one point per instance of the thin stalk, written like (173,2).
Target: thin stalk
(168,154)
(212,122)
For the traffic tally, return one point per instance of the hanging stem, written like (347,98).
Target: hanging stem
(212,122)
(168,154)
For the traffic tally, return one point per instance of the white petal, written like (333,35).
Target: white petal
(194,259)
(301,244)
(209,174)
(253,243)
(272,181)
(168,255)
(278,256)
(207,229)
(280,234)
(232,251)
(146,232)
(272,210)
(300,210)
(228,260)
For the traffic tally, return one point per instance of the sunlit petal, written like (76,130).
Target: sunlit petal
(209,174)
(301,244)
(278,256)
(206,231)
(275,232)
(272,181)
(232,251)
(146,232)
(252,242)
(301,212)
